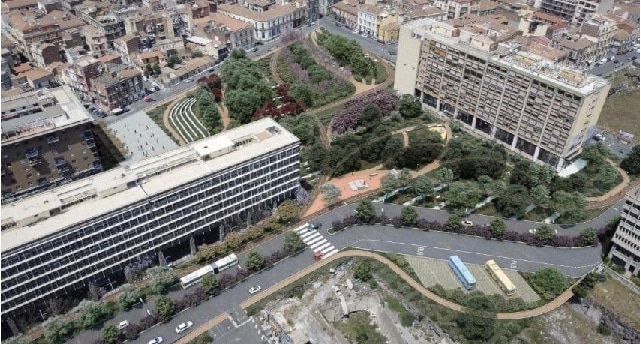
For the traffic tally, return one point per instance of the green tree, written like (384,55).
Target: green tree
(197,54)
(165,306)
(129,296)
(461,195)
(422,186)
(315,155)
(548,283)
(371,116)
(630,163)
(173,60)
(303,93)
(330,193)
(476,325)
(292,242)
(469,158)
(498,228)
(587,283)
(513,201)
(453,222)
(444,175)
(409,106)
(540,195)
(363,271)
(486,183)
(254,261)
(544,234)
(392,150)
(89,313)
(156,69)
(238,54)
(162,278)
(595,154)
(571,205)
(111,334)
(589,236)
(58,329)
(209,283)
(287,212)
(409,216)
(365,210)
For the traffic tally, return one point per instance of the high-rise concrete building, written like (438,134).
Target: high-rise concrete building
(87,231)
(47,140)
(625,243)
(575,11)
(523,100)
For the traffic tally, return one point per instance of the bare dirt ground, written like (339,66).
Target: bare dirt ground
(320,306)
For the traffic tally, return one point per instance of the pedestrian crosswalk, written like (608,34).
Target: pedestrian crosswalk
(315,240)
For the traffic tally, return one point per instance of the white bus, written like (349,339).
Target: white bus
(218,266)
(194,277)
(225,263)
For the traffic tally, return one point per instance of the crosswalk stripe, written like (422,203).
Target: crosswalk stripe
(318,243)
(309,242)
(322,247)
(301,229)
(327,249)
(330,253)
(308,235)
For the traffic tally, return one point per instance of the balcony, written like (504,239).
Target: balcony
(97,165)
(60,161)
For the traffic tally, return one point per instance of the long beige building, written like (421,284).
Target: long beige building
(498,90)
(625,243)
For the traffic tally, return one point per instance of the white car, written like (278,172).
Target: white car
(184,326)
(467,223)
(123,324)
(255,289)
(156,340)
(533,231)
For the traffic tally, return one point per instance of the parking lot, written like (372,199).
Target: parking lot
(435,271)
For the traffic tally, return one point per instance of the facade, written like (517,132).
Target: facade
(47,140)
(346,13)
(6,74)
(115,91)
(369,18)
(268,23)
(458,8)
(625,243)
(59,241)
(576,11)
(528,103)
(80,74)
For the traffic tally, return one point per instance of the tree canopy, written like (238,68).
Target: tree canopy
(469,158)
(513,201)
(630,163)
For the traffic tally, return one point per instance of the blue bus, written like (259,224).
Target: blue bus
(464,275)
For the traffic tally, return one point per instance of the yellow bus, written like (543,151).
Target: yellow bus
(500,277)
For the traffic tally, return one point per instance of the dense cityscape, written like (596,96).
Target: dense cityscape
(353,171)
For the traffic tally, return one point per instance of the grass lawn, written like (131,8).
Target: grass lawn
(619,299)
(621,112)
(325,116)
(264,66)
(156,115)
(357,329)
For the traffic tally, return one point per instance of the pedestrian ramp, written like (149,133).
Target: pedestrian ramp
(316,241)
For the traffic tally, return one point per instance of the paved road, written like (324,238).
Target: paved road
(611,67)
(368,44)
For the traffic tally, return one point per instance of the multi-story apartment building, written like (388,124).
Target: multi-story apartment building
(158,23)
(625,243)
(79,75)
(531,105)
(6,74)
(458,8)
(110,25)
(47,140)
(346,13)
(269,21)
(117,90)
(235,33)
(87,231)
(325,6)
(601,30)
(369,20)
(575,11)
(45,54)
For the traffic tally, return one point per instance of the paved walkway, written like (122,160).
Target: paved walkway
(552,305)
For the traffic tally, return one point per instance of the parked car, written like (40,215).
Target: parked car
(156,340)
(149,99)
(184,326)
(598,137)
(123,324)
(467,223)
(255,289)
(315,225)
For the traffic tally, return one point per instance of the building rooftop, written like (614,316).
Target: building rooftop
(125,185)
(68,111)
(274,12)
(510,54)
